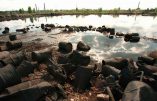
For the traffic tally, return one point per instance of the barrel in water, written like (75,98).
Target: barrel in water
(8,77)
(65,47)
(82,47)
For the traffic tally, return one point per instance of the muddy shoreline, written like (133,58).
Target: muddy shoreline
(7,17)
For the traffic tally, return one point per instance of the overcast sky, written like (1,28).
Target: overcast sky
(71,4)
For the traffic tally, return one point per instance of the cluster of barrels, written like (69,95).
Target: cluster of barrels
(12,44)
(118,74)
(14,67)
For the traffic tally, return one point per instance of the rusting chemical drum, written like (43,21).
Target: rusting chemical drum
(8,77)
(109,70)
(65,47)
(79,59)
(82,47)
(82,78)
(26,68)
(42,55)
(13,45)
(139,91)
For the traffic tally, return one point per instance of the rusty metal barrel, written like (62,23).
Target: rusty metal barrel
(79,59)
(12,37)
(26,68)
(65,47)
(8,77)
(41,55)
(82,78)
(82,47)
(14,44)
(14,59)
(109,70)
(138,91)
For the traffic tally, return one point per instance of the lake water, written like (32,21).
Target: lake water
(102,46)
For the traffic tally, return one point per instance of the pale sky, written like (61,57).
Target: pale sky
(71,4)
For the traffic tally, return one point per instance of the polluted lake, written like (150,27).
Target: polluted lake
(79,58)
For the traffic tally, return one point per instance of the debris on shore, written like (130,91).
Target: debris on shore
(38,71)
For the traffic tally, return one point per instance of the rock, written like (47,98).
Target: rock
(82,47)
(65,47)
(102,97)
(26,68)
(11,45)
(82,78)
(6,30)
(79,59)
(136,91)
(8,77)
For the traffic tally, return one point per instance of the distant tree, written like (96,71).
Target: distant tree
(29,9)
(76,9)
(129,10)
(34,10)
(100,9)
(21,10)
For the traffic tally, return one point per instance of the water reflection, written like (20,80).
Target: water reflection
(31,19)
(122,23)
(103,47)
